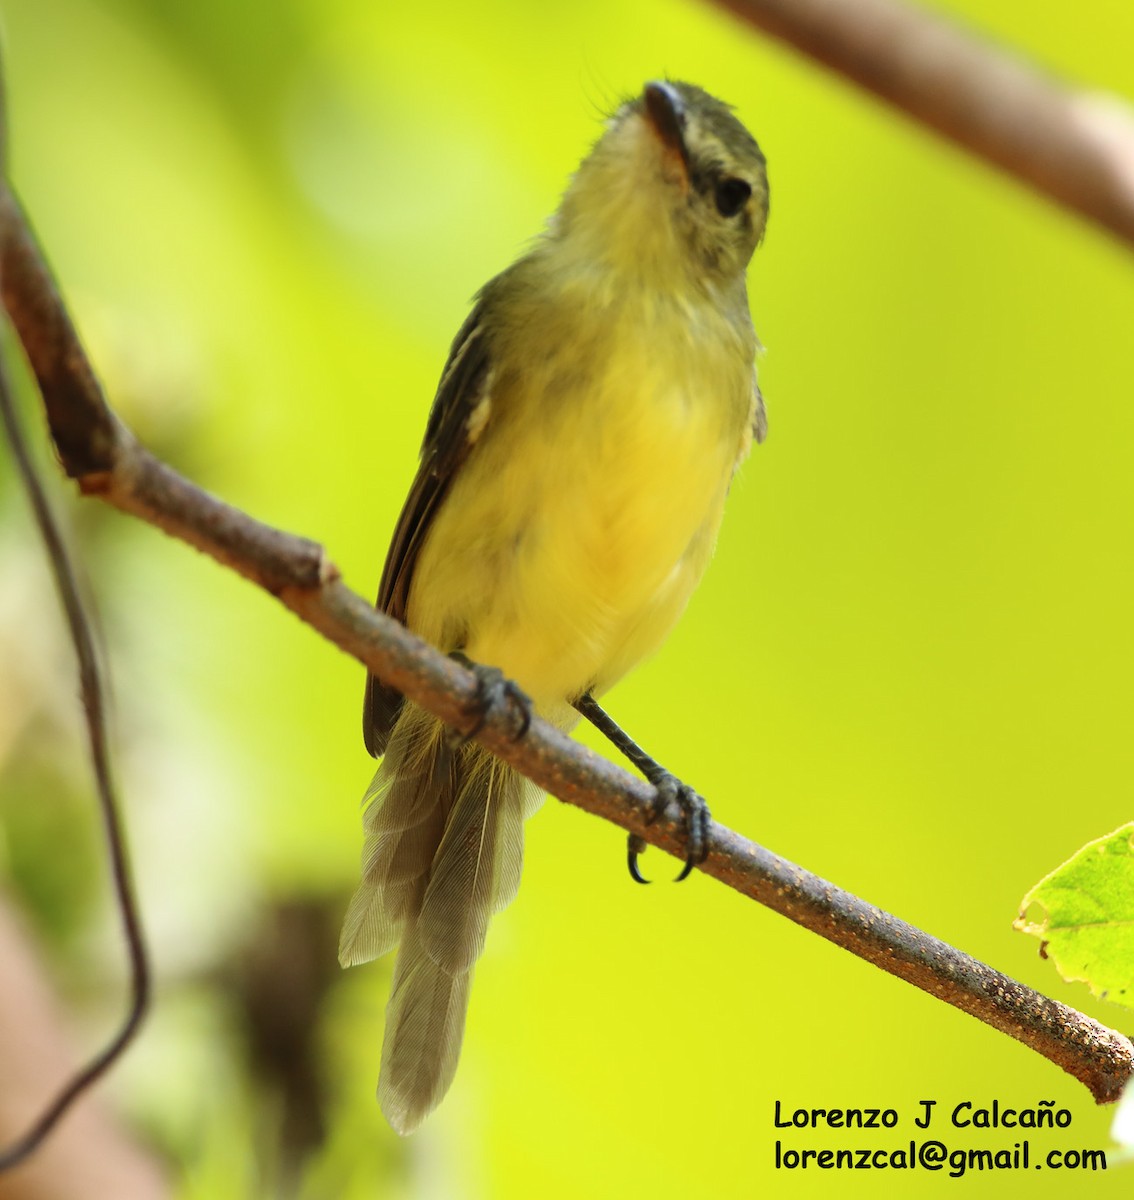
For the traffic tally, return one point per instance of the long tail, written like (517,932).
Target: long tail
(443,852)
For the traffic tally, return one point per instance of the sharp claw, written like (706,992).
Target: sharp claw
(523,702)
(695,812)
(491,688)
(634,847)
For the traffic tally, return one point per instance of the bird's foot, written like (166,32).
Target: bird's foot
(669,789)
(493,689)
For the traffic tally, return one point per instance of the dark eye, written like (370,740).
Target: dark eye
(731,196)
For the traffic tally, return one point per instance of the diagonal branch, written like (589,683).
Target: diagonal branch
(106,460)
(1076,147)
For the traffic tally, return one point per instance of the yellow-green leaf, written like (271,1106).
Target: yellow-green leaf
(1084,913)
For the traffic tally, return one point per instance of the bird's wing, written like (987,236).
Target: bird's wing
(455,420)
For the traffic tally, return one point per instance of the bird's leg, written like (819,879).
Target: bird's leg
(492,688)
(667,788)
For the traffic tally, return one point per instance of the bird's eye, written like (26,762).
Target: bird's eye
(731,196)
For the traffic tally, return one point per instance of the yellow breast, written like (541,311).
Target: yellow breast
(587,509)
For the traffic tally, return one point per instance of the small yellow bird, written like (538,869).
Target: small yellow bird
(587,425)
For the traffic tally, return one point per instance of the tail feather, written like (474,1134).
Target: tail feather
(514,803)
(425,1022)
(444,850)
(477,868)
(405,818)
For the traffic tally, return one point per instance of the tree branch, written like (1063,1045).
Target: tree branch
(94,710)
(106,460)
(91,1155)
(1076,147)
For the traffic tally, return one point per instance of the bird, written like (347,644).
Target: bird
(588,422)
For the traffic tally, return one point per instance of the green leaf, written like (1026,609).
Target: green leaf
(1084,913)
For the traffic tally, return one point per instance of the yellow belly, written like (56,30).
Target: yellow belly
(582,520)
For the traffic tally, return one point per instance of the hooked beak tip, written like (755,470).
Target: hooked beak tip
(665,110)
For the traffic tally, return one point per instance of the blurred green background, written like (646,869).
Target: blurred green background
(909,667)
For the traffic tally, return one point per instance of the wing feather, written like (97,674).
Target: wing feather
(462,389)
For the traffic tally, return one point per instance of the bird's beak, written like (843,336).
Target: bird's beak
(665,111)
